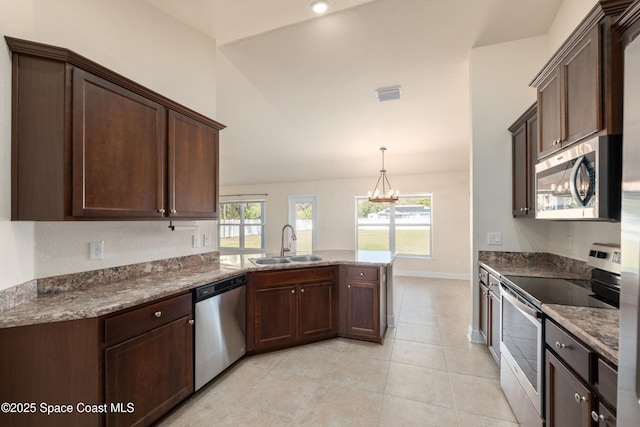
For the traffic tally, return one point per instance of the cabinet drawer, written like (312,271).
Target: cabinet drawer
(362,273)
(484,276)
(607,382)
(576,355)
(128,325)
(494,285)
(294,276)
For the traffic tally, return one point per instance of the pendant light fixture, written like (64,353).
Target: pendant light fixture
(386,193)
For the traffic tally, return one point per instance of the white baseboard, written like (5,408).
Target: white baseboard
(391,322)
(475,336)
(432,274)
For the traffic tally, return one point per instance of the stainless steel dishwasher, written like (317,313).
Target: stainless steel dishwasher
(220,333)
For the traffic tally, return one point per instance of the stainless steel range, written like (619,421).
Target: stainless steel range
(522,327)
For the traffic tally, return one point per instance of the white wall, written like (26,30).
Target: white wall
(336,216)
(141,43)
(500,93)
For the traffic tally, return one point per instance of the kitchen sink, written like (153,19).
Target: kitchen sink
(285,260)
(305,258)
(266,261)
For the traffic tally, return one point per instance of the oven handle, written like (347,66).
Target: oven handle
(525,309)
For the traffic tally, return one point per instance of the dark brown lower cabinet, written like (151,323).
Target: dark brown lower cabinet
(291,307)
(363,314)
(56,364)
(569,402)
(363,304)
(151,370)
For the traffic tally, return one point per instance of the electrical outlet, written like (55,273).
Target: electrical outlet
(96,250)
(494,238)
(206,239)
(196,240)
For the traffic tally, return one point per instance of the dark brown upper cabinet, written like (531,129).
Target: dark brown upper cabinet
(88,143)
(580,88)
(524,140)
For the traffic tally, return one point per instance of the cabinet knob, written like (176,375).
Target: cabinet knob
(348,286)
(302,290)
(161,211)
(293,291)
(158,313)
(173,211)
(595,417)
(579,398)
(362,273)
(191,322)
(560,346)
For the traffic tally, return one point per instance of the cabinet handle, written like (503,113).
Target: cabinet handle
(158,313)
(302,290)
(161,211)
(579,398)
(597,418)
(560,346)
(191,322)
(173,211)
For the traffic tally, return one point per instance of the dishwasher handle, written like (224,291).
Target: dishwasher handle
(216,288)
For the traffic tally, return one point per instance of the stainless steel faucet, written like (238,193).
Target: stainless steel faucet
(284,249)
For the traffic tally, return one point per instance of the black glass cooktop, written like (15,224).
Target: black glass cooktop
(543,290)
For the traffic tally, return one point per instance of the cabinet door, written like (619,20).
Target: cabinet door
(569,401)
(484,311)
(581,79)
(149,374)
(363,309)
(604,417)
(193,168)
(549,115)
(118,151)
(317,308)
(520,170)
(275,315)
(494,330)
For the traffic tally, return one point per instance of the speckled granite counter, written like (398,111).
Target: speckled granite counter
(596,327)
(533,264)
(107,291)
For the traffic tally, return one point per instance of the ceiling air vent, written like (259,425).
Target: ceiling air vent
(388,93)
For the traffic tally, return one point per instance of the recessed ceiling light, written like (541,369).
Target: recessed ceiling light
(320,6)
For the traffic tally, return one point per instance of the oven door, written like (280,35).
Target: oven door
(521,344)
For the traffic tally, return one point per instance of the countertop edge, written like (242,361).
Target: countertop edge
(119,295)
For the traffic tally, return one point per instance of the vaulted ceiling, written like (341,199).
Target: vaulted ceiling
(297,90)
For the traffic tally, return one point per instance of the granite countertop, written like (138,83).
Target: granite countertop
(596,327)
(107,296)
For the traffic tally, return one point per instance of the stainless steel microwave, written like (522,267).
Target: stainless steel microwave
(581,182)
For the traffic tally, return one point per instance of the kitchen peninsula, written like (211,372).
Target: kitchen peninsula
(103,329)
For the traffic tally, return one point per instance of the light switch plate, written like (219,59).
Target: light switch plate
(206,239)
(494,238)
(196,241)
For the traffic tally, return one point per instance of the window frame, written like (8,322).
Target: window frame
(393,226)
(242,227)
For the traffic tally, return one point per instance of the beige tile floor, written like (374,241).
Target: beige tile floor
(425,374)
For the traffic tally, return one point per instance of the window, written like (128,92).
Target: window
(303,218)
(242,225)
(403,227)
